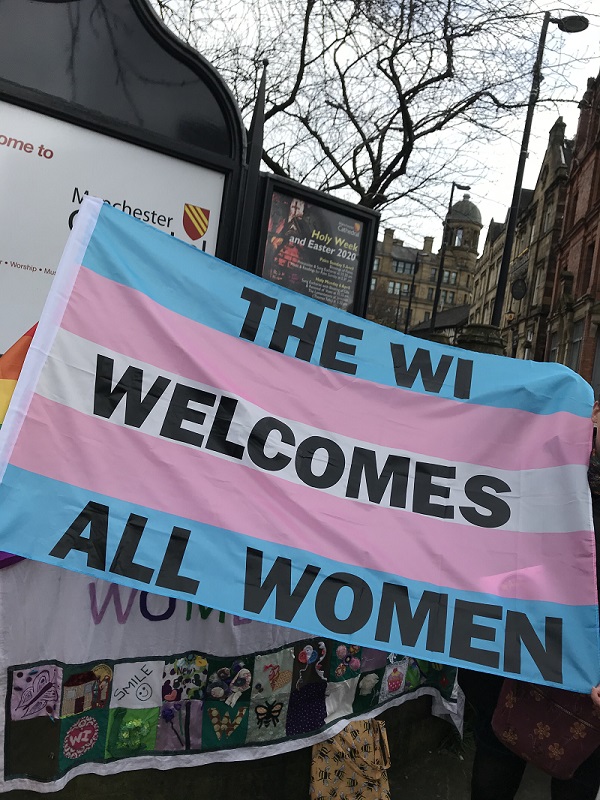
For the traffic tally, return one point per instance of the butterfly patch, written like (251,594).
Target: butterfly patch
(267,713)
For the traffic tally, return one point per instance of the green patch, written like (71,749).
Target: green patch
(131,732)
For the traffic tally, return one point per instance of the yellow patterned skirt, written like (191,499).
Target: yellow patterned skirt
(352,765)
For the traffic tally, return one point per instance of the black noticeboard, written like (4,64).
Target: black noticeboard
(316,244)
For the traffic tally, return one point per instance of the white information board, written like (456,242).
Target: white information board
(46,168)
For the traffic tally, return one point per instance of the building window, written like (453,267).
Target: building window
(453,278)
(532,233)
(375,264)
(519,247)
(575,348)
(373,284)
(427,317)
(397,288)
(433,274)
(571,216)
(548,218)
(458,237)
(586,272)
(404,267)
(538,289)
(430,293)
(553,356)
(447,297)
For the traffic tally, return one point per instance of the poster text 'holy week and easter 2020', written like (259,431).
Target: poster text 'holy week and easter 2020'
(186,428)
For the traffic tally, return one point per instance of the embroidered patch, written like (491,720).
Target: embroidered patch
(138,684)
(229,681)
(86,689)
(273,674)
(367,691)
(36,692)
(180,726)
(268,713)
(185,678)
(224,724)
(311,664)
(132,731)
(393,679)
(81,737)
(339,699)
(306,711)
(345,662)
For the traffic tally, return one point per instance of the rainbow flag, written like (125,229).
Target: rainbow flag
(189,429)
(11,363)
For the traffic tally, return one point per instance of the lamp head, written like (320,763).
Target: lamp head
(572,24)
(462,187)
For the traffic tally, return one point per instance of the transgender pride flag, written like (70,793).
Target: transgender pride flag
(189,429)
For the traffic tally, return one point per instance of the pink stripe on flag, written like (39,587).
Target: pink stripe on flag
(287,387)
(162,475)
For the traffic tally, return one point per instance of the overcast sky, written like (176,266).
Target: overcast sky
(493,193)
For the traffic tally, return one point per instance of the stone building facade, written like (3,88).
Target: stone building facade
(486,275)
(404,278)
(533,267)
(534,258)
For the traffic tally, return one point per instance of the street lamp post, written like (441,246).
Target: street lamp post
(572,24)
(411,295)
(438,283)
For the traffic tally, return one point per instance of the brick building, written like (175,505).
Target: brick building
(573,325)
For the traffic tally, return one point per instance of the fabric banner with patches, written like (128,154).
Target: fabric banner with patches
(101,678)
(186,428)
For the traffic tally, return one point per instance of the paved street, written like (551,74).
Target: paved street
(445,775)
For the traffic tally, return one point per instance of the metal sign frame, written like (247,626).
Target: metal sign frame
(197,119)
(368,217)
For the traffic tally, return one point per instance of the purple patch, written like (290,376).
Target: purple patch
(36,692)
(306,709)
(180,726)
(370,659)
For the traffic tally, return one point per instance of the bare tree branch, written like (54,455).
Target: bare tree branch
(377,100)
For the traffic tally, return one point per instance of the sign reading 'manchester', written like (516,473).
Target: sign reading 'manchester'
(185,428)
(65,163)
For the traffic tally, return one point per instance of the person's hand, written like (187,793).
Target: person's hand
(595,694)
